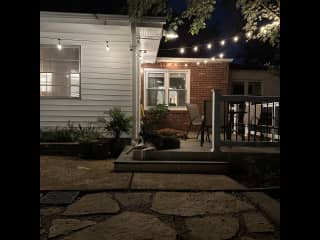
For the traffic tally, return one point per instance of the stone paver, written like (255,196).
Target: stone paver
(191,204)
(269,205)
(127,226)
(70,173)
(257,223)
(97,203)
(167,181)
(59,197)
(66,226)
(212,227)
(50,211)
(133,199)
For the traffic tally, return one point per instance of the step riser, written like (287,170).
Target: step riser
(171,167)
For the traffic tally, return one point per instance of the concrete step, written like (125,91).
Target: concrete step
(216,167)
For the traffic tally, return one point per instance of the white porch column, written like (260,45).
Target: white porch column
(215,121)
(135,83)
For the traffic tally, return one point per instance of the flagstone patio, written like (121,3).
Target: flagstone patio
(158,206)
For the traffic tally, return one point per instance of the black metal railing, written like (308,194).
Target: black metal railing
(246,120)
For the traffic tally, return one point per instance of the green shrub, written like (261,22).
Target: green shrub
(118,122)
(155,115)
(88,134)
(65,134)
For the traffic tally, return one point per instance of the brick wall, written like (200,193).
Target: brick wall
(202,79)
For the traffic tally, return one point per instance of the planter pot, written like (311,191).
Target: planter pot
(117,147)
(102,149)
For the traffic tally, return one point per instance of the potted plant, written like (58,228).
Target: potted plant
(87,137)
(116,124)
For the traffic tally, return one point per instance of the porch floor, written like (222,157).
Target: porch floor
(193,145)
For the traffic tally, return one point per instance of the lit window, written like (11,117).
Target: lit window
(45,84)
(60,71)
(166,87)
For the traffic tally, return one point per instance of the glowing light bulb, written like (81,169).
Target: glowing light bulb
(107,47)
(235,38)
(59,46)
(186,65)
(195,48)
(221,55)
(222,42)
(205,61)
(198,63)
(181,50)
(248,34)
(170,35)
(213,58)
(209,45)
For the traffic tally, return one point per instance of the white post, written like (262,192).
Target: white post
(215,121)
(213,117)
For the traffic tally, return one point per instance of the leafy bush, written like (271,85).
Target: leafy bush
(155,115)
(88,134)
(118,122)
(66,134)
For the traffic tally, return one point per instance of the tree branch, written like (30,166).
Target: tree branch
(270,10)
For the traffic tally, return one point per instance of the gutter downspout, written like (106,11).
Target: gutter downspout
(135,103)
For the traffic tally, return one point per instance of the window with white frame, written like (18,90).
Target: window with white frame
(247,88)
(169,87)
(59,71)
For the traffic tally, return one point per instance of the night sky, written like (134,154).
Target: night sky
(225,22)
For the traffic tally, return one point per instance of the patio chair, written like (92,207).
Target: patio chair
(195,118)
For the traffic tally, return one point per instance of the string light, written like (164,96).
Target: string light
(198,63)
(186,65)
(205,61)
(170,34)
(235,38)
(107,47)
(221,55)
(213,58)
(248,34)
(222,42)
(181,50)
(209,45)
(195,48)
(59,46)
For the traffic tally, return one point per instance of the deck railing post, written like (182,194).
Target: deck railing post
(216,120)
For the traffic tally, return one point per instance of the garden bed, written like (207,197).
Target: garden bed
(73,148)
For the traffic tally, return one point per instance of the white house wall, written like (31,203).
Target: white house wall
(270,82)
(106,77)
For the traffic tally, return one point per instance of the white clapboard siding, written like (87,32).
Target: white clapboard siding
(106,77)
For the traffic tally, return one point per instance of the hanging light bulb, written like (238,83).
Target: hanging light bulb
(59,46)
(107,47)
(209,45)
(195,48)
(222,42)
(221,55)
(235,38)
(181,50)
(213,58)
(198,63)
